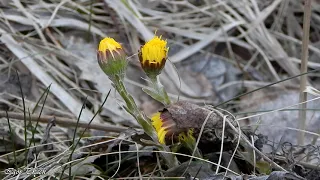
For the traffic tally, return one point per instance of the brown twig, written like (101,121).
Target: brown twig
(245,139)
(65,122)
(53,39)
(304,164)
(304,66)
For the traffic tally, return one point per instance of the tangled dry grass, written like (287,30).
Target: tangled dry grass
(218,50)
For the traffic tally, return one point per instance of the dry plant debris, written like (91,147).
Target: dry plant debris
(218,50)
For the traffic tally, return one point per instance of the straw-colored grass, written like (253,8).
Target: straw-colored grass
(54,43)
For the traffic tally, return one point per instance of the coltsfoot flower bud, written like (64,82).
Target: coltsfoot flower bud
(112,58)
(165,127)
(153,56)
(163,124)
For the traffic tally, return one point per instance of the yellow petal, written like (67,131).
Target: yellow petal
(109,44)
(154,51)
(162,135)
(112,58)
(157,123)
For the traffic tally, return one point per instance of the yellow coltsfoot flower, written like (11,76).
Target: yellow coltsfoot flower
(153,56)
(112,58)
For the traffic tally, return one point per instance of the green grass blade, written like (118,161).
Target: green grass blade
(12,139)
(24,117)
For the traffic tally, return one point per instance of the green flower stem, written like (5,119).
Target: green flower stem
(188,140)
(192,147)
(146,124)
(158,87)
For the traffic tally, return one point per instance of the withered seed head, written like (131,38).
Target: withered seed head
(181,117)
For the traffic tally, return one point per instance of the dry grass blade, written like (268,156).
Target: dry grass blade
(70,102)
(65,122)
(304,66)
(240,55)
(188,51)
(128,14)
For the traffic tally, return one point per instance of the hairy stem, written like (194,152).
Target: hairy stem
(133,109)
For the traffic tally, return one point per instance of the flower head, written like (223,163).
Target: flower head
(187,137)
(111,57)
(153,56)
(163,125)
(109,44)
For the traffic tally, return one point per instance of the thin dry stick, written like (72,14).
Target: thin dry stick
(238,142)
(304,65)
(304,164)
(119,161)
(254,157)
(244,138)
(275,165)
(66,122)
(198,140)
(221,149)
